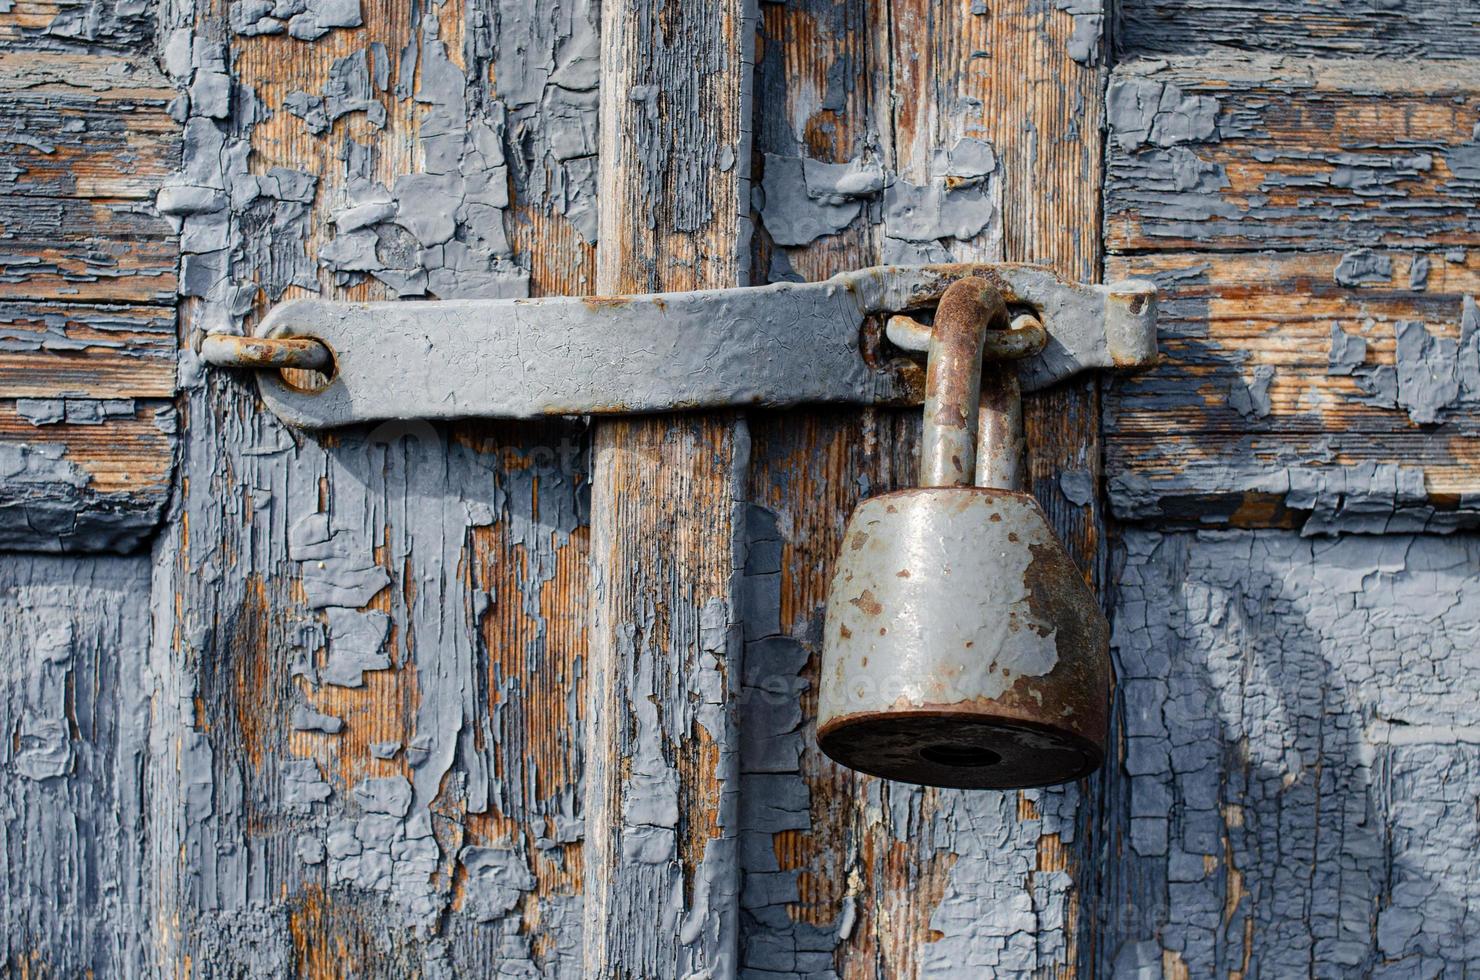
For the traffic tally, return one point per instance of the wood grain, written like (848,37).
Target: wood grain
(661,779)
(1302,153)
(86,290)
(87,284)
(89,126)
(879,878)
(1330,28)
(81,350)
(1356,177)
(452,559)
(116,25)
(88,139)
(98,250)
(101,485)
(1237,650)
(1184,442)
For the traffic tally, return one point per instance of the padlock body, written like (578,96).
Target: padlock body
(962,646)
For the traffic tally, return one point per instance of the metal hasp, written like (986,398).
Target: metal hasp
(779,345)
(962,646)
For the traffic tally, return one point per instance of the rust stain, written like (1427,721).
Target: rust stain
(599,303)
(867,603)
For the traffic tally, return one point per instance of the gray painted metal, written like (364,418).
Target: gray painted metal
(778,345)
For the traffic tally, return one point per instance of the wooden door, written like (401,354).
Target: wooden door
(497,698)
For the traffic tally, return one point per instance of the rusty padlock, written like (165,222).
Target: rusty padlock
(962,646)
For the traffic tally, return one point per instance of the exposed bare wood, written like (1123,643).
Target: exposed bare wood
(1433,29)
(98,482)
(87,126)
(374,639)
(661,769)
(379,743)
(125,26)
(112,251)
(86,140)
(54,350)
(1250,152)
(1272,367)
(857,883)
(1321,388)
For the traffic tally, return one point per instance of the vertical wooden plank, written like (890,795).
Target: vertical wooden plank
(661,871)
(74,704)
(868,877)
(1044,113)
(370,641)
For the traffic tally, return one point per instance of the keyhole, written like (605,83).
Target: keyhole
(964,756)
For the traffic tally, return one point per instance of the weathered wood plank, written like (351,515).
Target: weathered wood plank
(829,886)
(950,105)
(1326,388)
(1043,105)
(61,350)
(1295,385)
(126,26)
(110,251)
(93,475)
(87,138)
(375,639)
(1295,792)
(1334,28)
(662,788)
(86,126)
(74,702)
(1249,152)
(835,879)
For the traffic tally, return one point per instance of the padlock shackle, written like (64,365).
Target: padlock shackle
(1000,446)
(973,416)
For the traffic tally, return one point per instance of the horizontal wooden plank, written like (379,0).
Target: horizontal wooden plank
(85,140)
(1277,380)
(85,250)
(1254,152)
(87,281)
(1316,482)
(118,25)
(84,126)
(99,483)
(51,350)
(1428,29)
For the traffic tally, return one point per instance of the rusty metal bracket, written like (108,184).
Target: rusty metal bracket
(779,345)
